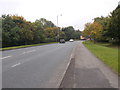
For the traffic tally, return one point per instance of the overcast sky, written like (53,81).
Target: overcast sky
(74,12)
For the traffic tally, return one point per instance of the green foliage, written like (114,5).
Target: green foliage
(108,28)
(77,34)
(38,32)
(70,32)
(92,30)
(62,34)
(44,23)
(17,31)
(0,32)
(51,33)
(104,21)
(114,26)
(7,25)
(14,35)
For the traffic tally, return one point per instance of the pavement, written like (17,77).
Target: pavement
(87,71)
(36,67)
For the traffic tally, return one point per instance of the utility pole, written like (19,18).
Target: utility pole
(58,30)
(58,35)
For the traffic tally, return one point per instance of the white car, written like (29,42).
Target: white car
(71,40)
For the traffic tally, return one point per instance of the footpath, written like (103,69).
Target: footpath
(87,71)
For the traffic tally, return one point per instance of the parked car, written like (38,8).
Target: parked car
(62,41)
(71,40)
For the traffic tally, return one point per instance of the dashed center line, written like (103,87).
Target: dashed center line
(5,57)
(16,65)
(28,51)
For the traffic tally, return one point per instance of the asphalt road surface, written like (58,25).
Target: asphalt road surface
(36,67)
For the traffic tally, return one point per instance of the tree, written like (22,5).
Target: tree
(15,35)
(114,26)
(105,28)
(45,23)
(19,21)
(51,33)
(77,34)
(104,21)
(62,35)
(7,25)
(69,32)
(0,32)
(87,30)
(96,30)
(92,30)
(18,31)
(38,32)
(26,35)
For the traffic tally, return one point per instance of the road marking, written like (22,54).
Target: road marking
(16,65)
(28,51)
(5,57)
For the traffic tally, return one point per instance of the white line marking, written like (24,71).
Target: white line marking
(16,65)
(5,57)
(29,51)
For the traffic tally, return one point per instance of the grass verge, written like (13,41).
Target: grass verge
(23,46)
(108,55)
(108,45)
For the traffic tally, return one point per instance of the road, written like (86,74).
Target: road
(36,67)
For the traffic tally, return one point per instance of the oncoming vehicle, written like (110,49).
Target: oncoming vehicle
(71,40)
(62,41)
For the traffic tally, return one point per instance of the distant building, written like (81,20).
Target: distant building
(81,37)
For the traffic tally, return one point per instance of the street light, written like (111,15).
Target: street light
(58,27)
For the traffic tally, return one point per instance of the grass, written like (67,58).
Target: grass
(108,45)
(23,46)
(107,54)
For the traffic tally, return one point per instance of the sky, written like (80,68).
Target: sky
(70,12)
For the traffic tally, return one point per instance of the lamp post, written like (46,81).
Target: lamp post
(58,35)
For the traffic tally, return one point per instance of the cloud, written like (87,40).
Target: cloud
(74,12)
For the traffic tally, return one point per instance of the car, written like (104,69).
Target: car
(71,40)
(62,41)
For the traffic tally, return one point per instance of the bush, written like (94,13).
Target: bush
(47,40)
(114,42)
